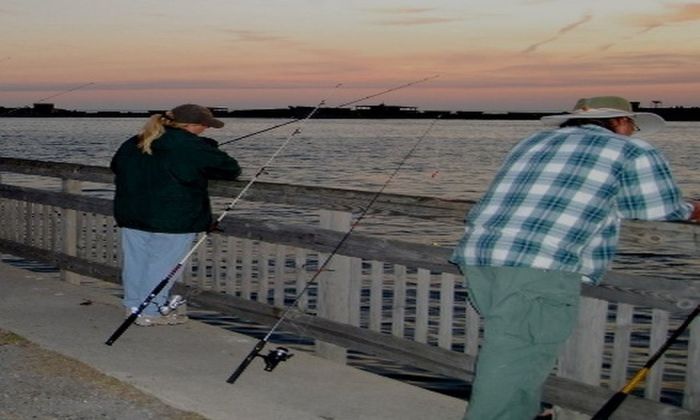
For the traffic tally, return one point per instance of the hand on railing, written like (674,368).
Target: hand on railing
(695,216)
(214,227)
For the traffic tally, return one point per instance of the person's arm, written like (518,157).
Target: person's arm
(215,163)
(210,141)
(649,192)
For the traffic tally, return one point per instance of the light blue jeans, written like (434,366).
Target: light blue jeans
(148,258)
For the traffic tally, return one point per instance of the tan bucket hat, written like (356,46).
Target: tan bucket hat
(603,107)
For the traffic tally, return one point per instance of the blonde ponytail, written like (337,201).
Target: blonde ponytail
(153,129)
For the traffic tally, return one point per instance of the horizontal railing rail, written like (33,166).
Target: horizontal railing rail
(675,296)
(668,237)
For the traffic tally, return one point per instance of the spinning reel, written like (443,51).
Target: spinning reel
(274,357)
(172,304)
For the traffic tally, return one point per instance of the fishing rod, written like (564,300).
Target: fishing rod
(264,130)
(616,400)
(281,354)
(135,313)
(52,96)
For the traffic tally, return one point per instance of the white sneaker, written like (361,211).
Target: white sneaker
(178,316)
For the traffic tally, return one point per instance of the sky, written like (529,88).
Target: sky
(493,55)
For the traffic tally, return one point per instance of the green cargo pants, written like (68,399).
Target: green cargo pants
(528,314)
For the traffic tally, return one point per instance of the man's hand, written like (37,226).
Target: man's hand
(695,216)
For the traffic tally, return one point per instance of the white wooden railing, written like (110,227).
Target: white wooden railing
(392,298)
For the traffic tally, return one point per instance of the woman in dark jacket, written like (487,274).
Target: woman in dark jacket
(161,200)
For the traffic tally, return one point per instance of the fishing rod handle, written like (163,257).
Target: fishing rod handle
(616,400)
(135,314)
(123,327)
(246,362)
(613,403)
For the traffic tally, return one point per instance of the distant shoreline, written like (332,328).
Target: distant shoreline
(381,111)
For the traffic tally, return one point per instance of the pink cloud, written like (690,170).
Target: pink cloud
(568,28)
(248,36)
(417,21)
(405,16)
(675,13)
(403,10)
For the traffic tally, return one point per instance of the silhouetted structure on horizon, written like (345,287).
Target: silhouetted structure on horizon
(380,111)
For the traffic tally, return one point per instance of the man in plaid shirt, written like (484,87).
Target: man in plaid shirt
(549,220)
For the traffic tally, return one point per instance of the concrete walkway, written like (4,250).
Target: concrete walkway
(186,366)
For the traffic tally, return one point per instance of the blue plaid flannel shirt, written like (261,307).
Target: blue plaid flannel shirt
(557,201)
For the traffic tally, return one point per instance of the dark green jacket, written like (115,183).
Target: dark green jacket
(167,191)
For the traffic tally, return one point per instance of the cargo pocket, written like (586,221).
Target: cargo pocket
(551,316)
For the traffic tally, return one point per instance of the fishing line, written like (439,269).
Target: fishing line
(415,82)
(52,96)
(164,282)
(281,354)
(66,91)
(436,159)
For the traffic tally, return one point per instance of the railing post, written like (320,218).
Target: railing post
(624,322)
(691,401)
(70,230)
(3,204)
(447,302)
(334,286)
(581,356)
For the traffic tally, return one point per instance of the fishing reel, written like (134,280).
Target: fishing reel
(172,304)
(274,357)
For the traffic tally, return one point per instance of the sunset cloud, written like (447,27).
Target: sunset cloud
(403,10)
(622,69)
(258,36)
(252,39)
(417,21)
(406,16)
(568,28)
(675,13)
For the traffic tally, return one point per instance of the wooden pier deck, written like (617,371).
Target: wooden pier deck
(186,366)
